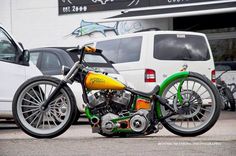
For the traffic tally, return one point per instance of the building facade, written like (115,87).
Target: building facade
(73,22)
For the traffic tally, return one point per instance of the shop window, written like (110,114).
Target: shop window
(224,49)
(224,52)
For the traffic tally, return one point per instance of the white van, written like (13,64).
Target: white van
(15,68)
(148,58)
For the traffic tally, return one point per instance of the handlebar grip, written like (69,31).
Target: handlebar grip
(90,49)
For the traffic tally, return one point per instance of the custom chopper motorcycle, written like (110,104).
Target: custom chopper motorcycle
(186,103)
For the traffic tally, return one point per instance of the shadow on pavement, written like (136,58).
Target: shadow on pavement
(10,124)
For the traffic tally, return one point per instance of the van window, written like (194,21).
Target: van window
(180,47)
(7,49)
(121,50)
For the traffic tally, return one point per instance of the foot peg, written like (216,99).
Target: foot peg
(158,127)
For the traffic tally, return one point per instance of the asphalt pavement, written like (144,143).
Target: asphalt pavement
(78,140)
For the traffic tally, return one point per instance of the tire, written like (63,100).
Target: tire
(76,116)
(230,98)
(32,119)
(210,115)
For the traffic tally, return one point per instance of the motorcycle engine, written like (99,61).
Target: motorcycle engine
(114,101)
(110,105)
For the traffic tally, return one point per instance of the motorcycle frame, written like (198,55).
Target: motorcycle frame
(78,73)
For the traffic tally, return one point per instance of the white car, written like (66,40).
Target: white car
(51,60)
(15,68)
(148,58)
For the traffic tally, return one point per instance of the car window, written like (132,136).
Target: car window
(121,50)
(94,59)
(180,47)
(7,49)
(34,57)
(50,64)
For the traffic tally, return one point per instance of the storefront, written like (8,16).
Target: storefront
(221,32)
(69,22)
(215,18)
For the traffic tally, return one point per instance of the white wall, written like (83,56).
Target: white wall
(36,23)
(5,14)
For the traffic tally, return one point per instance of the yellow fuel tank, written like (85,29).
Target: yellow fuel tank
(98,81)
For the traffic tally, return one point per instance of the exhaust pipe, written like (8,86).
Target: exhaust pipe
(94,120)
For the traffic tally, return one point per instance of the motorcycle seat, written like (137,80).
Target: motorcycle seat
(146,94)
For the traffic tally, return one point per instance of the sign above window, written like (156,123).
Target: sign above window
(82,6)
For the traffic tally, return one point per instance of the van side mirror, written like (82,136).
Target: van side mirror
(25,57)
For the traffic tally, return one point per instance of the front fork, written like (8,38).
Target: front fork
(45,105)
(63,82)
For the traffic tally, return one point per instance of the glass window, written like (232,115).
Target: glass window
(34,57)
(121,50)
(50,64)
(224,52)
(180,47)
(110,49)
(129,49)
(7,49)
(224,49)
(94,59)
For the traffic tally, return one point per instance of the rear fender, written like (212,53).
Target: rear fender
(166,82)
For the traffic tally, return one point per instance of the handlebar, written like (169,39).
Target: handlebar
(223,73)
(88,49)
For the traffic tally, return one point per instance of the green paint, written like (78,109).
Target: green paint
(118,130)
(164,84)
(88,113)
(179,96)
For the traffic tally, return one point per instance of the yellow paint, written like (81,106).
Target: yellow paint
(98,81)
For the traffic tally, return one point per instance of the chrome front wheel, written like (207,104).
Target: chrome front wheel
(37,122)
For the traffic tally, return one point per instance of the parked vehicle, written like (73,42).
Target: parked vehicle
(43,106)
(230,76)
(50,61)
(225,92)
(15,68)
(148,58)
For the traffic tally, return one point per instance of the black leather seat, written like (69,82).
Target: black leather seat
(148,94)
